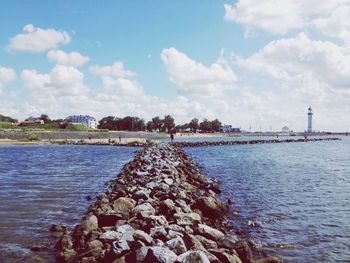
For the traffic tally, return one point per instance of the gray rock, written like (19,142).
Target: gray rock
(120,247)
(145,209)
(142,236)
(209,232)
(110,235)
(193,256)
(207,243)
(187,219)
(124,205)
(177,245)
(95,248)
(159,233)
(160,255)
(228,241)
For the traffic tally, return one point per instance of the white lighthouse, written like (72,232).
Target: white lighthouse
(309,120)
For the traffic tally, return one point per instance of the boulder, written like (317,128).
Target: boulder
(210,207)
(224,256)
(209,232)
(160,255)
(124,205)
(142,236)
(143,210)
(187,219)
(177,245)
(207,243)
(108,219)
(110,235)
(120,247)
(193,256)
(228,241)
(95,248)
(89,224)
(243,250)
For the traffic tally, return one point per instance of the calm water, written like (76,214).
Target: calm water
(42,185)
(293,199)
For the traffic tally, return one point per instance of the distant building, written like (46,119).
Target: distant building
(29,121)
(309,119)
(86,120)
(285,129)
(229,128)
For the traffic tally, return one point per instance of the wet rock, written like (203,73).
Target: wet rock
(40,246)
(66,256)
(210,207)
(60,228)
(228,241)
(271,259)
(160,255)
(224,256)
(244,252)
(177,245)
(193,256)
(209,232)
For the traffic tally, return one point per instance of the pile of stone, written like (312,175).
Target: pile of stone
(220,143)
(161,208)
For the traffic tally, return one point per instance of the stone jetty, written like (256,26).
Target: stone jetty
(222,143)
(160,208)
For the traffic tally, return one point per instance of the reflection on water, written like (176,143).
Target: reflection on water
(293,199)
(42,185)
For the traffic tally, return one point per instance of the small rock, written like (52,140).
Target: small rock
(89,224)
(244,251)
(187,219)
(110,235)
(120,247)
(95,248)
(228,241)
(124,205)
(145,209)
(207,243)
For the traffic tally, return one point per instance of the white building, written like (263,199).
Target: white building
(285,129)
(86,120)
(309,120)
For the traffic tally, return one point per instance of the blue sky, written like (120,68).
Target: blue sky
(250,64)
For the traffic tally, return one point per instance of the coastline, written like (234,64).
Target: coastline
(160,208)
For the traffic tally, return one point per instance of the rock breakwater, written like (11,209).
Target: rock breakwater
(221,143)
(160,208)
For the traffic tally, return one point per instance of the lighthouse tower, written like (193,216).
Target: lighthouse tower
(309,120)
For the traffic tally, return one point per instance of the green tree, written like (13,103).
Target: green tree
(169,123)
(150,126)
(205,125)
(45,118)
(157,123)
(215,125)
(194,125)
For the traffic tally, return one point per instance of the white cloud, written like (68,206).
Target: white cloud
(74,59)
(300,58)
(35,39)
(6,75)
(192,77)
(279,17)
(116,70)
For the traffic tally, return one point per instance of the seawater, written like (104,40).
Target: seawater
(292,199)
(46,184)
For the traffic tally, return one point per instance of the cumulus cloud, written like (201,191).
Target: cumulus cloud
(115,70)
(192,77)
(6,75)
(279,17)
(301,57)
(35,39)
(74,59)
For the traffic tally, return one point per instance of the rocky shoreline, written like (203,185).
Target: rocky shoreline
(160,208)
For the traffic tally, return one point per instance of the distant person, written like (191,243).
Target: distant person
(120,139)
(171,137)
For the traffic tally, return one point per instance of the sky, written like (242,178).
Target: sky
(254,64)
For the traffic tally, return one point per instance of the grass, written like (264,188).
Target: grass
(6,125)
(76,127)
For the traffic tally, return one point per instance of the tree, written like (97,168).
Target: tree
(109,123)
(150,126)
(215,125)
(45,118)
(194,125)
(157,123)
(205,125)
(169,123)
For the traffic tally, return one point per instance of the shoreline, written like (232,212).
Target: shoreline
(160,208)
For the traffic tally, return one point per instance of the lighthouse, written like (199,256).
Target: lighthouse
(309,120)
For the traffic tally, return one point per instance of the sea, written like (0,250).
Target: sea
(289,199)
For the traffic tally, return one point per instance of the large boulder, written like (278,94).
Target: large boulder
(210,207)
(244,252)
(143,210)
(177,245)
(187,219)
(89,224)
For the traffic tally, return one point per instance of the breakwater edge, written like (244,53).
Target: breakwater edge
(160,208)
